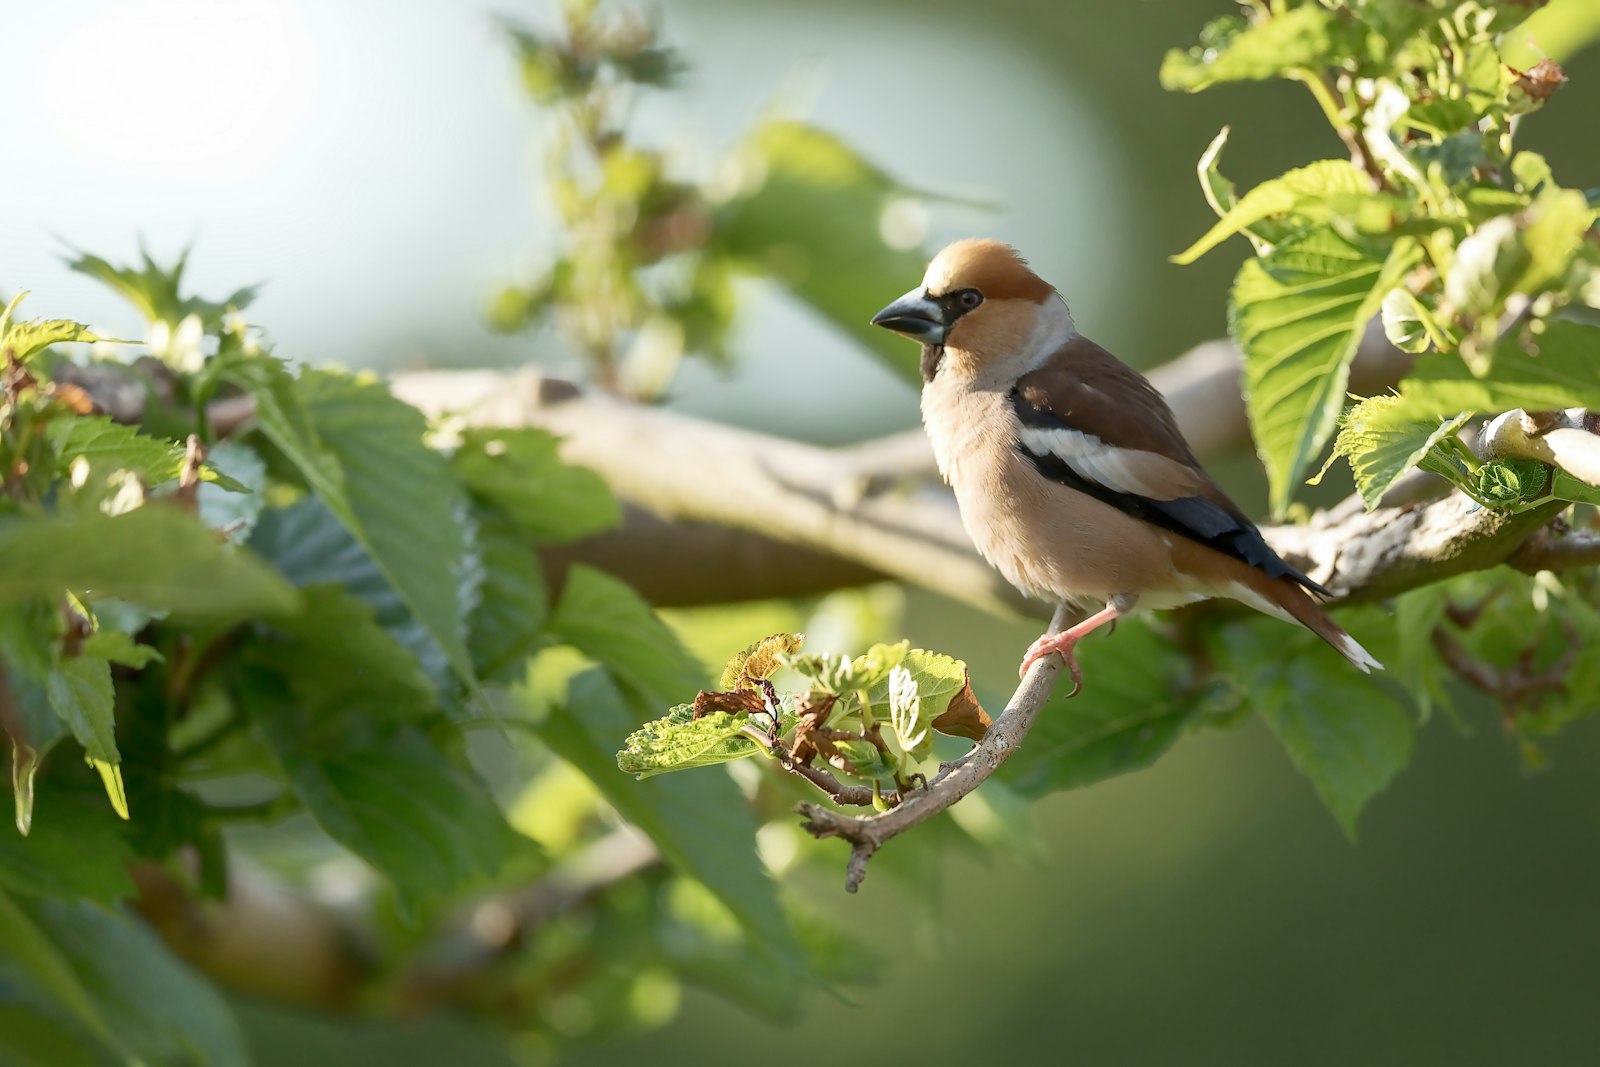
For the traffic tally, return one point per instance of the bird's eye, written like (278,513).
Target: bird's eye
(969,298)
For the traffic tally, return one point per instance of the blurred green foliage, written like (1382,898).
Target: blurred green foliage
(331,619)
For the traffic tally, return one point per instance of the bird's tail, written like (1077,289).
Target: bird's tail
(1304,609)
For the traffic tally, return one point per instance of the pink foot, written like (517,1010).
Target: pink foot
(1055,643)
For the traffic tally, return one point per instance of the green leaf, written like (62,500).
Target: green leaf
(114,446)
(80,693)
(1382,443)
(120,648)
(156,291)
(154,555)
(1558,368)
(1298,314)
(520,472)
(1342,731)
(234,509)
(1232,49)
(346,672)
(1127,716)
(607,621)
(396,495)
(813,221)
(309,546)
(1506,482)
(1566,487)
(700,822)
(513,604)
(397,802)
(155,1008)
(1300,192)
(30,958)
(841,674)
(24,340)
(680,741)
(73,850)
(1407,323)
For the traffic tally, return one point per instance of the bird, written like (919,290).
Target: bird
(1072,477)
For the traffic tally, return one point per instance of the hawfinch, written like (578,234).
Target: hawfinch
(1071,474)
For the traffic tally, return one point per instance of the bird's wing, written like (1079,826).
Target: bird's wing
(1093,424)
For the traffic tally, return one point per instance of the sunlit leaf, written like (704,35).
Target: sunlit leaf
(1298,313)
(1231,48)
(1300,192)
(679,741)
(1383,443)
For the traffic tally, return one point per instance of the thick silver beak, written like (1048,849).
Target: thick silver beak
(916,315)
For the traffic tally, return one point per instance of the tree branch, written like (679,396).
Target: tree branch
(955,780)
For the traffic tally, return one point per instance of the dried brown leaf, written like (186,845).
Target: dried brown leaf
(964,717)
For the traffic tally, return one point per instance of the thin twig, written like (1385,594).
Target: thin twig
(955,780)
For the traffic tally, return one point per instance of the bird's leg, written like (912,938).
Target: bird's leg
(1064,641)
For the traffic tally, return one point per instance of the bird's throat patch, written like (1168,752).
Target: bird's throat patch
(932,356)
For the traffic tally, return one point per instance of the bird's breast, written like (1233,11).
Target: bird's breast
(1048,540)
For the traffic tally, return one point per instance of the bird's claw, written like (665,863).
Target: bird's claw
(1046,646)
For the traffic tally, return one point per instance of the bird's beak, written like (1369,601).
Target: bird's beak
(917,315)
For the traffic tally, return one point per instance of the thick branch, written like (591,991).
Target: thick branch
(869,833)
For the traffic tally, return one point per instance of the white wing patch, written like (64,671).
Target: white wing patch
(1122,470)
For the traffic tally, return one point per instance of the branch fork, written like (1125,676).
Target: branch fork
(868,833)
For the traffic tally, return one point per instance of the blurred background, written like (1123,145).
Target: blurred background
(376,166)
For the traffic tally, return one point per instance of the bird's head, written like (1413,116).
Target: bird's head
(978,301)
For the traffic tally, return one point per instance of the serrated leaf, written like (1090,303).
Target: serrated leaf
(679,741)
(120,648)
(520,472)
(1505,482)
(80,693)
(1298,314)
(1300,192)
(607,621)
(341,704)
(506,625)
(309,546)
(700,822)
(1382,443)
(116,447)
(842,674)
(760,659)
(397,496)
(24,340)
(157,291)
(1343,732)
(1127,715)
(1308,37)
